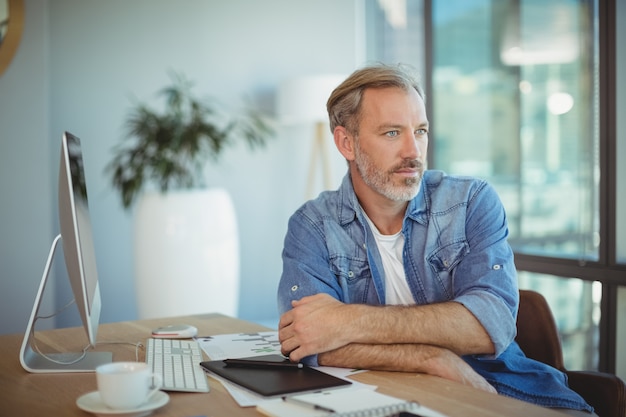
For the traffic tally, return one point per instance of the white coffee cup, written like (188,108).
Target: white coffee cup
(126,385)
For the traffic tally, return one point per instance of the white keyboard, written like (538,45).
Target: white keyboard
(178,362)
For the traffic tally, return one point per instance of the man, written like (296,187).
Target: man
(401,268)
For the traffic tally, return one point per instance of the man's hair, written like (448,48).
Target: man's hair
(344,103)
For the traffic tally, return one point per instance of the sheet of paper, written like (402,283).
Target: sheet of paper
(242,397)
(340,372)
(240,345)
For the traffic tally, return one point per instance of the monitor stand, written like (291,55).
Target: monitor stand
(35,362)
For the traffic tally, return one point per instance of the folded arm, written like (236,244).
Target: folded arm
(426,359)
(427,339)
(320,323)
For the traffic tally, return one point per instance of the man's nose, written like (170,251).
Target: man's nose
(411,147)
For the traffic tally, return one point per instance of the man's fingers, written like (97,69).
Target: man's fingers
(486,386)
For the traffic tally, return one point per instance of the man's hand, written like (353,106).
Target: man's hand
(315,324)
(448,365)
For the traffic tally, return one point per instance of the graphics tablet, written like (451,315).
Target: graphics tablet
(274,381)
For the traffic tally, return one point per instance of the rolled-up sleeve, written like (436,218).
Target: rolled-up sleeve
(306,268)
(486,279)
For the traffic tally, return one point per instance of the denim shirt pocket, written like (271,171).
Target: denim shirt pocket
(355,277)
(443,261)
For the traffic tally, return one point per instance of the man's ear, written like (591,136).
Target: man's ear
(344,142)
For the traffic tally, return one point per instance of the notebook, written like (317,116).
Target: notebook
(274,381)
(344,403)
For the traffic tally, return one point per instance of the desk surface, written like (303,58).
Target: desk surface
(25,394)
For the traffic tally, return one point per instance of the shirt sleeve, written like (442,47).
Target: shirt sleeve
(306,268)
(486,279)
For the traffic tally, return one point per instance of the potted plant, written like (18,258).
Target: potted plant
(171,148)
(186,243)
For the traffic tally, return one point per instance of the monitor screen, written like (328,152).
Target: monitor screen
(80,262)
(76,235)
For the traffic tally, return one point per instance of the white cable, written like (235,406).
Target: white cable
(81,355)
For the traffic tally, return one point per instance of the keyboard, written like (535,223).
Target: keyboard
(178,363)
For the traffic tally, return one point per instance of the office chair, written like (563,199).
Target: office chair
(538,338)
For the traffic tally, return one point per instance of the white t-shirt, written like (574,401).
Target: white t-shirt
(390,247)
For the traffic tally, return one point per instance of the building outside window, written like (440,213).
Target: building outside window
(514,97)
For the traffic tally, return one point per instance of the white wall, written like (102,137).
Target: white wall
(77,65)
(26,217)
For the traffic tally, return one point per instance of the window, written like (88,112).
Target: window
(518,79)
(521,93)
(576,306)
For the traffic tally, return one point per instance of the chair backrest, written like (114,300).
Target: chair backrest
(538,338)
(605,392)
(537,334)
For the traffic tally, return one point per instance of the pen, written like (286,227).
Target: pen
(262,364)
(306,404)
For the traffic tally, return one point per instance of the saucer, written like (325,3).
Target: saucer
(92,402)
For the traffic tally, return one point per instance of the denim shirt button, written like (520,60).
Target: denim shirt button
(496,267)
(350,274)
(294,288)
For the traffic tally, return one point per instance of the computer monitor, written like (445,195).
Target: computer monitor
(80,262)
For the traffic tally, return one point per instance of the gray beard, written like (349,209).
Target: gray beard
(381,181)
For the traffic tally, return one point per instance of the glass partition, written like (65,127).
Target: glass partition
(514,97)
(515,101)
(575,305)
(621,333)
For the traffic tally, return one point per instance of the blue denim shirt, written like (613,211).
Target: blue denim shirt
(455,248)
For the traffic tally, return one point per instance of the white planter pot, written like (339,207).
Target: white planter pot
(186,254)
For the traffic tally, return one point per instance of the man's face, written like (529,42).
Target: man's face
(390,151)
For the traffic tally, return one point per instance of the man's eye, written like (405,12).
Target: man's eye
(421,132)
(392,133)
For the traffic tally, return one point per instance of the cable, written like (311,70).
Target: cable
(51,359)
(137,345)
(47,356)
(59,311)
(83,353)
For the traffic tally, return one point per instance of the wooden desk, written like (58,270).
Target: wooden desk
(25,394)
